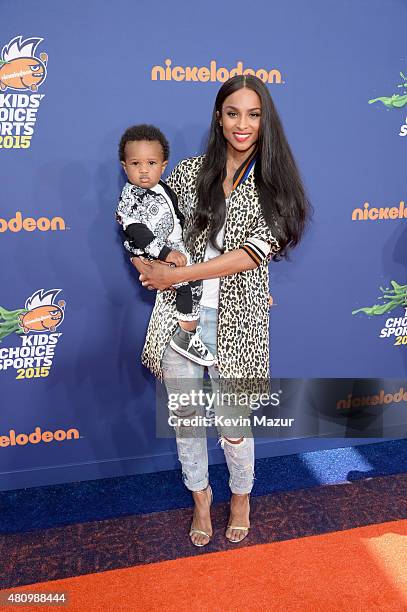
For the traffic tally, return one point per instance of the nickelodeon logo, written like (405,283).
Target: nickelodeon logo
(17,224)
(37,436)
(372,400)
(205,74)
(374,214)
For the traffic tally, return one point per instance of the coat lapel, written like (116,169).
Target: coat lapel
(242,209)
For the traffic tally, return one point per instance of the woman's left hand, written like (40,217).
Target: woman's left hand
(153,274)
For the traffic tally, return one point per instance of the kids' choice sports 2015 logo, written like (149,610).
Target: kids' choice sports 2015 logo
(398,100)
(22,69)
(395,327)
(36,324)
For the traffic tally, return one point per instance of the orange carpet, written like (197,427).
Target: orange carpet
(355,570)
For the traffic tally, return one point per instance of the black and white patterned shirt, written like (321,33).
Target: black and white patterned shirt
(151,220)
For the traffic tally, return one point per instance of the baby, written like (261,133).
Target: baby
(152,223)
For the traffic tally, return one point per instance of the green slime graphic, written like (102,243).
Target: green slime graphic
(10,322)
(396,297)
(396,100)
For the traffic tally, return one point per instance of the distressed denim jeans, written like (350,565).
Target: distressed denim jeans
(179,374)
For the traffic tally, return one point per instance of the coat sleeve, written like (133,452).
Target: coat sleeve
(176,179)
(183,179)
(261,245)
(180,181)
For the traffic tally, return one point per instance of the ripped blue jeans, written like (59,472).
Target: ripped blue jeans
(179,374)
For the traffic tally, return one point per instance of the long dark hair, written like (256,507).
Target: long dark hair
(283,201)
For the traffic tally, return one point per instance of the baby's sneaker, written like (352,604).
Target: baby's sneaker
(191,346)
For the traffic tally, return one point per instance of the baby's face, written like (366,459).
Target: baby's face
(144,162)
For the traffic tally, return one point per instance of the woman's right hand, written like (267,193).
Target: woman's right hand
(176,258)
(138,263)
(155,274)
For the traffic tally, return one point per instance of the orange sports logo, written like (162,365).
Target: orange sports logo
(20,67)
(42,313)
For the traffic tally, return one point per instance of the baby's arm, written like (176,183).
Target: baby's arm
(143,238)
(137,232)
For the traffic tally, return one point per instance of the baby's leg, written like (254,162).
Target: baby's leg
(188,325)
(187,303)
(186,339)
(188,297)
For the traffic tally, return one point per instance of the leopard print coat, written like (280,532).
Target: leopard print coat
(243,315)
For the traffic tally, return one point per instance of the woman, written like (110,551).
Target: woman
(244,204)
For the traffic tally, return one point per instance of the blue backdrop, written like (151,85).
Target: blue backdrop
(92,78)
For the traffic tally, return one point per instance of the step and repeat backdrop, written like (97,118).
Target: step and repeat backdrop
(75,401)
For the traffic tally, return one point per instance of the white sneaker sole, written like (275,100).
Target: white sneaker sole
(204,362)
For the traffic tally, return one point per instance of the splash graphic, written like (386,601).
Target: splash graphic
(396,100)
(10,322)
(395,297)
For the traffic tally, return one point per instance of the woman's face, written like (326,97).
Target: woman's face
(240,119)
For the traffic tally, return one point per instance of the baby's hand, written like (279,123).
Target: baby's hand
(177,258)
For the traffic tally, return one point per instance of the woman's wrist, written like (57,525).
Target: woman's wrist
(229,263)
(181,274)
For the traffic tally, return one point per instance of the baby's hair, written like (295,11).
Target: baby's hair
(144,132)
